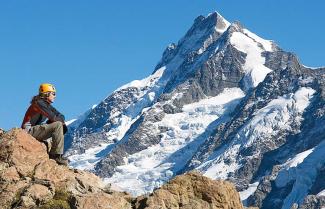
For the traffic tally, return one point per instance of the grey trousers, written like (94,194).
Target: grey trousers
(46,131)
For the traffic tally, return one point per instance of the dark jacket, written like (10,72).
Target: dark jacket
(39,111)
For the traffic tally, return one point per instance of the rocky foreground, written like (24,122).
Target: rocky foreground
(29,179)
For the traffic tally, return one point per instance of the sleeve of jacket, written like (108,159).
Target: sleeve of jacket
(49,111)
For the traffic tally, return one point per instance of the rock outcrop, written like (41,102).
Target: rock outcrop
(29,179)
(192,191)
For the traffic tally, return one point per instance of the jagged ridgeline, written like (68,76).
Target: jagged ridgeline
(222,101)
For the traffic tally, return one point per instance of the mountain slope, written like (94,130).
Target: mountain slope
(222,101)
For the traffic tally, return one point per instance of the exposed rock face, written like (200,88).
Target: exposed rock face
(136,141)
(29,179)
(312,201)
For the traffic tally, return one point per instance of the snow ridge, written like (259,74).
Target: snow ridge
(254,67)
(149,89)
(276,115)
(303,174)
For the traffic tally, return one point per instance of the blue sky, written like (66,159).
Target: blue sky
(87,49)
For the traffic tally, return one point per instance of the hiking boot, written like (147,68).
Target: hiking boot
(59,159)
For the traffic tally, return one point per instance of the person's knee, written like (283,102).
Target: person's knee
(58,125)
(57,133)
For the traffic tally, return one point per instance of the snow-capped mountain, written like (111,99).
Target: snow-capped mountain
(222,101)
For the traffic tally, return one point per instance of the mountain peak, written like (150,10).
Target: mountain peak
(222,100)
(236,26)
(221,23)
(204,31)
(213,19)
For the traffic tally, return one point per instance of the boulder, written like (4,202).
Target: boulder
(114,201)
(195,191)
(36,194)
(18,150)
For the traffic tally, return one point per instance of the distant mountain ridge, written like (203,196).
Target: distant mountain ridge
(222,101)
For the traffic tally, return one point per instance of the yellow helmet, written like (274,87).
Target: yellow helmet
(45,88)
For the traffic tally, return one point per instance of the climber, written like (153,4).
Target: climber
(52,132)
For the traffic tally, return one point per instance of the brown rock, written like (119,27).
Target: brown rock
(193,191)
(29,178)
(38,193)
(89,181)
(74,181)
(17,149)
(1,131)
(10,175)
(103,201)
(27,202)
(11,192)
(3,167)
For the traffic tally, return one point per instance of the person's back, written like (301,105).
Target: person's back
(41,110)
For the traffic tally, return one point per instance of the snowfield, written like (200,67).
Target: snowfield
(274,116)
(152,167)
(254,65)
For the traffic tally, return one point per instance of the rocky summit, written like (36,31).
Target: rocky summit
(29,179)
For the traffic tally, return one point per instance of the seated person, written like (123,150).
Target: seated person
(54,128)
